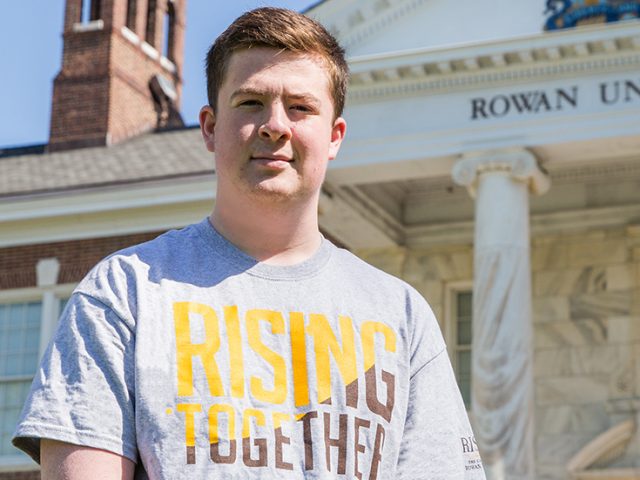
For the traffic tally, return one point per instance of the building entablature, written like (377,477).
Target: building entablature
(575,52)
(419,110)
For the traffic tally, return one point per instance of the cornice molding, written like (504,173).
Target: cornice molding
(107,211)
(592,173)
(92,200)
(443,188)
(457,233)
(513,61)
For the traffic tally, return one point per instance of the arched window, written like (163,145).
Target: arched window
(131,14)
(90,11)
(150,35)
(168,41)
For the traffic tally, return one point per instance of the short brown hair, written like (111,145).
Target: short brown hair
(284,30)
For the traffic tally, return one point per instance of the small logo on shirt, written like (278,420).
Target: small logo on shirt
(470,448)
(469,444)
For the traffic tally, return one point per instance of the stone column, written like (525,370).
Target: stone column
(502,353)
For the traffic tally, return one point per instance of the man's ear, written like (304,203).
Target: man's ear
(337,135)
(207,126)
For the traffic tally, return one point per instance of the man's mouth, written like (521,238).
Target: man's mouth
(272,161)
(278,158)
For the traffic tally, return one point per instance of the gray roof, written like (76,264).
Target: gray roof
(151,156)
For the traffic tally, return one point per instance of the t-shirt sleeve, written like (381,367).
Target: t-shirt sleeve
(83,391)
(437,441)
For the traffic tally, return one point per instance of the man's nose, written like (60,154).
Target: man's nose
(276,125)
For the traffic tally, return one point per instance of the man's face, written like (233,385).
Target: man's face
(274,132)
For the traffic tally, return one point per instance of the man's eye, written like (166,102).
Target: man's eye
(250,103)
(301,108)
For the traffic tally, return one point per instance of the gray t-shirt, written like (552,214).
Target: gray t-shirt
(195,361)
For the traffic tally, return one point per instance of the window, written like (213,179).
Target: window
(150,35)
(169,31)
(90,11)
(19,345)
(464,309)
(132,10)
(23,324)
(459,335)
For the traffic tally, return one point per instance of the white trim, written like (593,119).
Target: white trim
(107,224)
(167,64)
(33,293)
(107,211)
(101,199)
(89,26)
(150,50)
(130,35)
(64,290)
(51,299)
(18,295)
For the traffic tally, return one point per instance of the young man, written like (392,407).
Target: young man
(247,346)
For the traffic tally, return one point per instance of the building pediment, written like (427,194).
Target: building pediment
(375,26)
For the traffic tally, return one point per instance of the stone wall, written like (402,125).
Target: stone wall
(586,311)
(428,270)
(586,314)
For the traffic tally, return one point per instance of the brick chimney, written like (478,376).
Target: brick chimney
(121,71)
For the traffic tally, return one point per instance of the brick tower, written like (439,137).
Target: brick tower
(121,71)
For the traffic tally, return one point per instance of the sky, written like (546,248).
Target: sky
(31,55)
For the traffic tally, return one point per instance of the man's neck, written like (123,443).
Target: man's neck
(276,234)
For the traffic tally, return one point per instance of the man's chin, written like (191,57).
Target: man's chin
(269,190)
(272,191)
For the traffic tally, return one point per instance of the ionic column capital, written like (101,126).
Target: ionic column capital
(520,164)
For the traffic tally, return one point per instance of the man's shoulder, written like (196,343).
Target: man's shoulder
(159,254)
(400,304)
(351,267)
(161,248)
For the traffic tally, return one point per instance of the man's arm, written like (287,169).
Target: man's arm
(437,440)
(82,394)
(64,461)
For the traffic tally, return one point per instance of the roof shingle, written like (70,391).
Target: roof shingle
(150,156)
